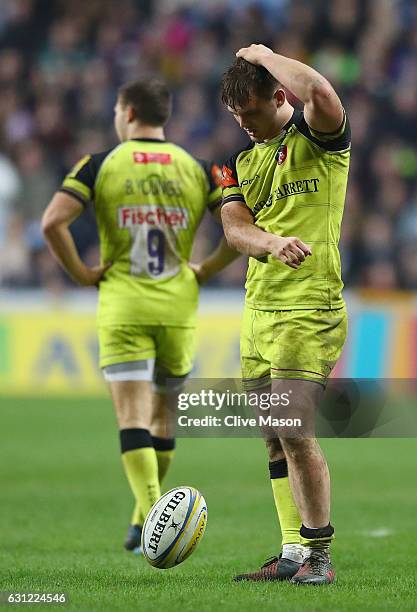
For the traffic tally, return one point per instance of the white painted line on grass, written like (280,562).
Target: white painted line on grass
(383,532)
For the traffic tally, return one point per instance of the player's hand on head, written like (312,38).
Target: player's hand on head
(291,251)
(254,54)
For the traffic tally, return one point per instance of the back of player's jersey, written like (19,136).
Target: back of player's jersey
(149,197)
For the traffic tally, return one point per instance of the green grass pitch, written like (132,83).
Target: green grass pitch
(65,507)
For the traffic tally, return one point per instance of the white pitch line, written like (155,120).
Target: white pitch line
(383,532)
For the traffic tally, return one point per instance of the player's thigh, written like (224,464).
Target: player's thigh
(175,353)
(126,344)
(307,343)
(256,336)
(127,357)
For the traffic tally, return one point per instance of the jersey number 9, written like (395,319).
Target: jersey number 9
(156,252)
(152,254)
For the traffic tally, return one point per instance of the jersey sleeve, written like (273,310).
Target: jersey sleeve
(230,183)
(80,181)
(333,141)
(214,178)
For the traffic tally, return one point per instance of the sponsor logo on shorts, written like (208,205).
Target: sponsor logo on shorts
(140,157)
(132,216)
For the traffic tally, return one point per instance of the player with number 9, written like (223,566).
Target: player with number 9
(149,197)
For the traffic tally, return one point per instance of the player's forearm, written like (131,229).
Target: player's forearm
(221,257)
(247,238)
(62,246)
(302,80)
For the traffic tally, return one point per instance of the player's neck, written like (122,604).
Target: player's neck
(284,116)
(145,131)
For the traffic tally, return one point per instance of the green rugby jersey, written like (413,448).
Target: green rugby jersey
(149,197)
(295,185)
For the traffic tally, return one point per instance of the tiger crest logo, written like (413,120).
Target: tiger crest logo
(281,155)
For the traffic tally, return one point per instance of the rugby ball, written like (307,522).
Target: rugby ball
(173,527)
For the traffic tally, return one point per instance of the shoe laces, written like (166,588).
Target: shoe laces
(318,561)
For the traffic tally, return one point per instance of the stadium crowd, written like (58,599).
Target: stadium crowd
(62,62)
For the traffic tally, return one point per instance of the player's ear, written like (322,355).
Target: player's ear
(279,97)
(130,114)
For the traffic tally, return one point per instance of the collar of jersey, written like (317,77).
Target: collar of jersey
(282,133)
(148,139)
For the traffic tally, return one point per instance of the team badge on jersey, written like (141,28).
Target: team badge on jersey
(281,155)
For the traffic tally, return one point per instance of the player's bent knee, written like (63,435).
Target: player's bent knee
(132,401)
(274,448)
(295,447)
(166,382)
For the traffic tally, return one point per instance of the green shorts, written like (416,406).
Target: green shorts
(290,344)
(171,349)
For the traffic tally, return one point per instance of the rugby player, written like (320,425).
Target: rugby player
(149,197)
(283,200)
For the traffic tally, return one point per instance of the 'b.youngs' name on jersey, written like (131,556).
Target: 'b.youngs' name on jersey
(149,197)
(295,185)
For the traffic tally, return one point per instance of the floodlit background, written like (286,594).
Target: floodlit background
(61,63)
(64,503)
(60,66)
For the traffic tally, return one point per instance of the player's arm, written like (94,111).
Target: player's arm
(219,259)
(223,255)
(323,110)
(60,213)
(243,235)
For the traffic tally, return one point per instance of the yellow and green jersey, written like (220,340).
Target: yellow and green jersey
(295,185)
(149,198)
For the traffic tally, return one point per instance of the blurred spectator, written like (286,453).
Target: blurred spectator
(62,62)
(9,189)
(14,255)
(38,179)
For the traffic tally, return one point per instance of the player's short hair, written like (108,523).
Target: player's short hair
(150,99)
(243,80)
